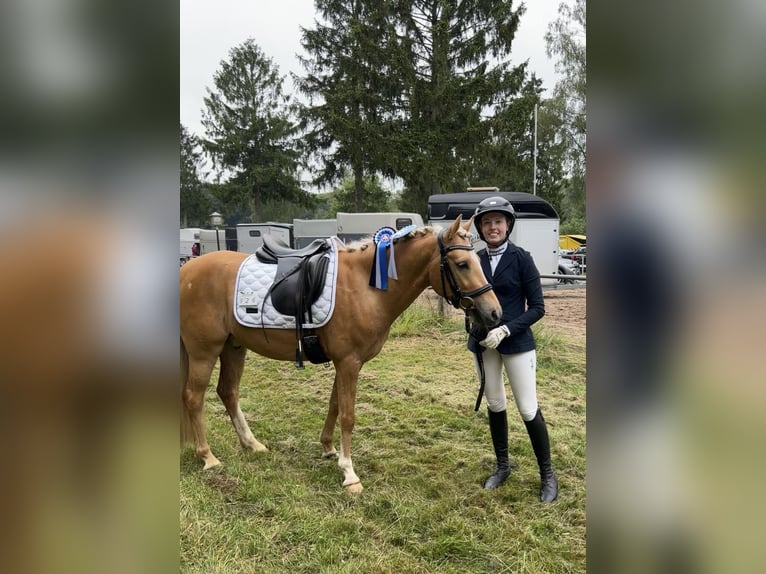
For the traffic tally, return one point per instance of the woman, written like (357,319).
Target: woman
(516,282)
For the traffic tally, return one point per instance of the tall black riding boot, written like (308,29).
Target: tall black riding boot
(538,435)
(498,428)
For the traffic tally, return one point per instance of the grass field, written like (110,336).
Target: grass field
(422,454)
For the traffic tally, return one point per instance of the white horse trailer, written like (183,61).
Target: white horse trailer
(188,236)
(307,230)
(208,242)
(250,235)
(353,226)
(536,228)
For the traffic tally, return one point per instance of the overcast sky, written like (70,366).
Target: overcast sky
(209,29)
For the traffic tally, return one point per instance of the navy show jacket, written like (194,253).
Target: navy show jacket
(516,283)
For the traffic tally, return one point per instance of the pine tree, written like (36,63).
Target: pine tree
(422,90)
(376,198)
(349,85)
(566,41)
(460,90)
(194,202)
(250,134)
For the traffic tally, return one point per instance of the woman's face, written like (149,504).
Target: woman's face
(494,227)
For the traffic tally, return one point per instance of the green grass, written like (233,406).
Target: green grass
(422,454)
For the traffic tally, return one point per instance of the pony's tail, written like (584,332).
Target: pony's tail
(186,426)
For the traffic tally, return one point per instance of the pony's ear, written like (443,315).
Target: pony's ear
(454,227)
(467,224)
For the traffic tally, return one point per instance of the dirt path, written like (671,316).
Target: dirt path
(565,312)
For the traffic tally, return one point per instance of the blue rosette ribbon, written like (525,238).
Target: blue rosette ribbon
(379,274)
(383,238)
(392,261)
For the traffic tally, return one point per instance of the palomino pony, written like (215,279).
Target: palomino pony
(354,334)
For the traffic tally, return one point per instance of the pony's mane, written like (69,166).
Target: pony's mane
(365,243)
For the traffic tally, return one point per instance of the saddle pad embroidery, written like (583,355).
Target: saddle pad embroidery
(253,281)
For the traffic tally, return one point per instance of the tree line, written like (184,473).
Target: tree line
(418,92)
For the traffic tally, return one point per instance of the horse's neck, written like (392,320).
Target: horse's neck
(412,260)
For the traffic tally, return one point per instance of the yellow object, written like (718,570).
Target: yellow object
(571,241)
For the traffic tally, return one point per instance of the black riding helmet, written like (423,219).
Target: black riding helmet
(494,204)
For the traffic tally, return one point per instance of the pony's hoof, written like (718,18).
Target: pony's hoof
(355,488)
(332,455)
(211,462)
(256,446)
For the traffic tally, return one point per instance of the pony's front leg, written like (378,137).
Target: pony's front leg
(346,376)
(328,432)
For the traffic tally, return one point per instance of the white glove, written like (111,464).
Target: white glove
(495,336)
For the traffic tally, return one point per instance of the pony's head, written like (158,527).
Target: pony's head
(456,274)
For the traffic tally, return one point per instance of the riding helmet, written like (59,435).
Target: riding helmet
(492,204)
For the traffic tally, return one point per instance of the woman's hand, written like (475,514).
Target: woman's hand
(495,336)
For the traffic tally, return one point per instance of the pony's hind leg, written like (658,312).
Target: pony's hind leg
(193,401)
(232,366)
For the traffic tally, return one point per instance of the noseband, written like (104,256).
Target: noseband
(459,300)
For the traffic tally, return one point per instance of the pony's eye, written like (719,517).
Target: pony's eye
(462,265)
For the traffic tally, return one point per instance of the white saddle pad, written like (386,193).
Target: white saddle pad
(253,281)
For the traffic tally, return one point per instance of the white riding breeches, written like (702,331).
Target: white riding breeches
(521,369)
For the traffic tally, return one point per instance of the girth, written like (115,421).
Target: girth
(298,283)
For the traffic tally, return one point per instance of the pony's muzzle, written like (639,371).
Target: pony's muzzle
(484,318)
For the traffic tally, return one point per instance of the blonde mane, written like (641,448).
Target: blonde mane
(365,243)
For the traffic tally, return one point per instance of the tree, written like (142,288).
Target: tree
(508,160)
(565,40)
(418,90)
(194,202)
(461,91)
(349,86)
(375,197)
(250,134)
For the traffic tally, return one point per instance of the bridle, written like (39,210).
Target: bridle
(458,300)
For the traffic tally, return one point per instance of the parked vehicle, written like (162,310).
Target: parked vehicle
(189,237)
(536,228)
(353,226)
(215,240)
(307,230)
(579,256)
(571,242)
(247,237)
(568,267)
(250,235)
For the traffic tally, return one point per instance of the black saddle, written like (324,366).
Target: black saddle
(299,280)
(273,250)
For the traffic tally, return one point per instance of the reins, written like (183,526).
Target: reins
(461,301)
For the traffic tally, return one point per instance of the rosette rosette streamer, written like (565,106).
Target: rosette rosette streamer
(382,270)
